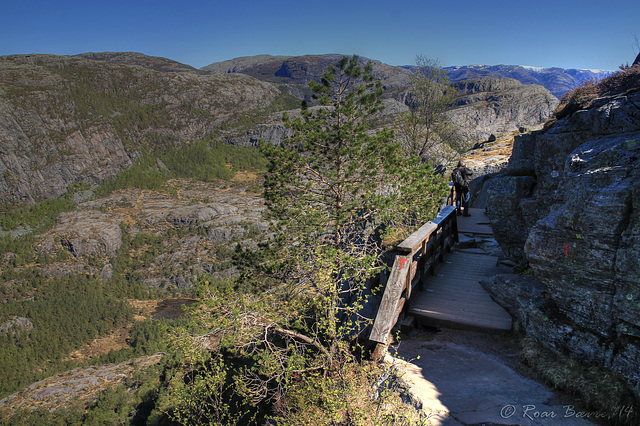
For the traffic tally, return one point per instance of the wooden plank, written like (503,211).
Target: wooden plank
(454,297)
(414,241)
(467,308)
(478,223)
(386,317)
(442,298)
(430,300)
(413,271)
(464,321)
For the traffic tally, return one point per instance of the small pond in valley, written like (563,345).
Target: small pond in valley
(171,308)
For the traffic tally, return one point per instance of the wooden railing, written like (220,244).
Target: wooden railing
(416,259)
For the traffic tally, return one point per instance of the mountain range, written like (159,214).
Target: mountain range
(290,69)
(557,80)
(298,70)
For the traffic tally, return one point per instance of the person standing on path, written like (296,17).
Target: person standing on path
(461,177)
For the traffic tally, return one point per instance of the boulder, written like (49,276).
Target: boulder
(107,272)
(16,325)
(507,214)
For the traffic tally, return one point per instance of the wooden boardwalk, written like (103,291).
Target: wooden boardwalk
(477,224)
(453,296)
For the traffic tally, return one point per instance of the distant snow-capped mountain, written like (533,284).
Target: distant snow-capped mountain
(557,80)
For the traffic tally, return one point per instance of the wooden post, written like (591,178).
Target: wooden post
(423,261)
(385,320)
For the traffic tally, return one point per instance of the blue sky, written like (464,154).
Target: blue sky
(567,34)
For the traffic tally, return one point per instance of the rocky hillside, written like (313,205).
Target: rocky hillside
(483,108)
(568,205)
(293,73)
(133,58)
(86,118)
(500,105)
(80,387)
(152,237)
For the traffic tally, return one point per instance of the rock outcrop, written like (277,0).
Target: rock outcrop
(80,384)
(16,325)
(196,233)
(569,206)
(87,233)
(273,133)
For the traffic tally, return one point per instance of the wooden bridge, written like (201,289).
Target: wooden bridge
(437,283)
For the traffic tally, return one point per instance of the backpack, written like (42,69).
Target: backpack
(457,178)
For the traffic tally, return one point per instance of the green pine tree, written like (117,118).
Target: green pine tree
(336,187)
(333,191)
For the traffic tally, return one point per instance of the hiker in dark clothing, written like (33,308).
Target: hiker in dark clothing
(461,177)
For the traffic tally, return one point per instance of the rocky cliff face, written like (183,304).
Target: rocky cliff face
(499,105)
(70,119)
(569,205)
(484,107)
